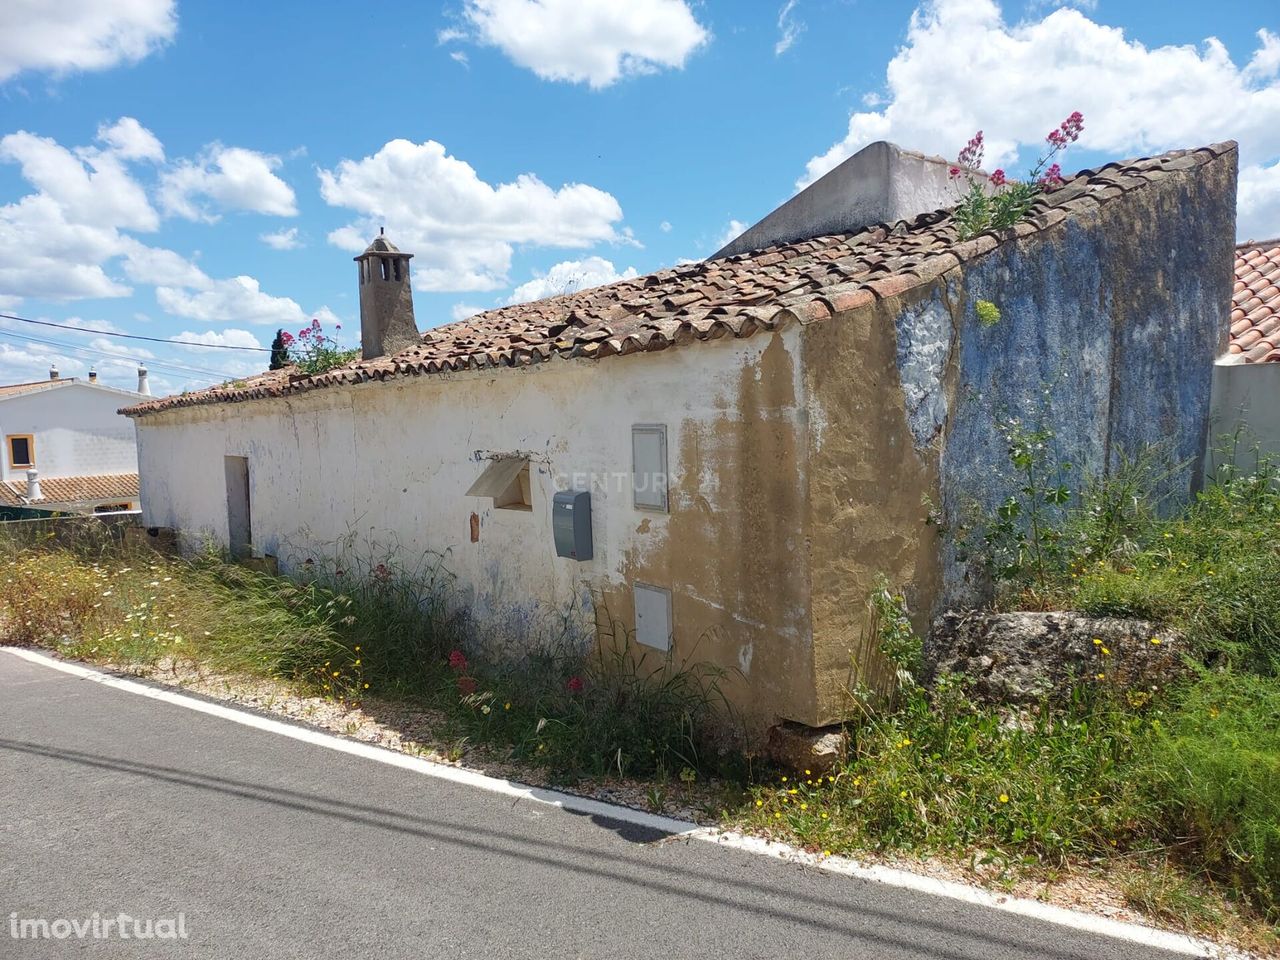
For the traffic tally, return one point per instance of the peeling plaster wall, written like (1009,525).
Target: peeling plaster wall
(1109,327)
(1110,324)
(388,465)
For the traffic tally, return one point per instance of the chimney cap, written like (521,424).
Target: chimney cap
(381,246)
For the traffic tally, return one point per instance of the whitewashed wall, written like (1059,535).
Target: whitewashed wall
(76,428)
(393,461)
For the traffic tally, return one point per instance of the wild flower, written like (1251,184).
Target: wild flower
(981,209)
(574,684)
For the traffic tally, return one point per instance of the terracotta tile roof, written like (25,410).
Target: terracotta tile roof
(1255,303)
(734,296)
(109,486)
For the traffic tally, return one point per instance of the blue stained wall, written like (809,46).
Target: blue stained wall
(1110,323)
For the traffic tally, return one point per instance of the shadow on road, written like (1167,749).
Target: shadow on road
(970,935)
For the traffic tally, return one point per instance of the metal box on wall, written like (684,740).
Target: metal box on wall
(571,524)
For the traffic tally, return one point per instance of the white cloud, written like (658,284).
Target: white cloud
(282,239)
(91,186)
(234,299)
(460,311)
(596,42)
(129,139)
(733,229)
(1258,203)
(570,276)
(789,28)
(80,34)
(157,266)
(460,56)
(231,337)
(461,229)
(233,177)
(962,64)
(665,226)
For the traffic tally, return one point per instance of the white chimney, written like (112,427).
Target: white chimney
(144,388)
(93,375)
(33,485)
(53,371)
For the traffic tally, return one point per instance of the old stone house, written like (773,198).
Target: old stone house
(760,436)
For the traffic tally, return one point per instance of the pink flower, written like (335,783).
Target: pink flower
(337,326)
(457,661)
(971,155)
(467,686)
(574,684)
(286,338)
(380,572)
(998,179)
(954,172)
(1051,178)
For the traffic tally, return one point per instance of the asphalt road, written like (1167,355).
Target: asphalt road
(269,847)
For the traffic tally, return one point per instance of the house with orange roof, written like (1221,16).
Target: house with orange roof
(720,461)
(66,447)
(1246,387)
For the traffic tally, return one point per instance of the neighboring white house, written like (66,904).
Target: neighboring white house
(66,448)
(1246,381)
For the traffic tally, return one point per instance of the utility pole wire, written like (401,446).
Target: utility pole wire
(133,336)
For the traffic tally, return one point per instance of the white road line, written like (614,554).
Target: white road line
(1091,923)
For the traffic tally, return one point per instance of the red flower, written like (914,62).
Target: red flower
(286,337)
(467,686)
(458,661)
(998,179)
(574,684)
(955,172)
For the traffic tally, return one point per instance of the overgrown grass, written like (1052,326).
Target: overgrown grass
(359,629)
(1183,780)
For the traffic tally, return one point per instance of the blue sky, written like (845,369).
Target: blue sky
(207,170)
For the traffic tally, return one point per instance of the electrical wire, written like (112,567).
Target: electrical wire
(212,375)
(133,336)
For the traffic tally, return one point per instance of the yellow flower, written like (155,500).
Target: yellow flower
(1156,641)
(1106,652)
(759,803)
(826,853)
(784,779)
(1004,798)
(804,806)
(903,795)
(366,686)
(1097,641)
(777,816)
(824,816)
(506,706)
(1102,676)
(807,773)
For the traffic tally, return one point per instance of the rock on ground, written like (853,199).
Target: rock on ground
(1023,657)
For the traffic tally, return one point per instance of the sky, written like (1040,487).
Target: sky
(205,171)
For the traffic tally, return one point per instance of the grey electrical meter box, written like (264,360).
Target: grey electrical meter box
(571,523)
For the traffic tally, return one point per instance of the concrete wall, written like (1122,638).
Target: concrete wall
(1246,401)
(881,183)
(390,463)
(77,431)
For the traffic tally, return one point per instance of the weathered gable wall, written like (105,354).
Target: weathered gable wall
(1109,325)
(388,464)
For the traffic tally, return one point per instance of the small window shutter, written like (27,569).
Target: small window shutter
(497,477)
(649,466)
